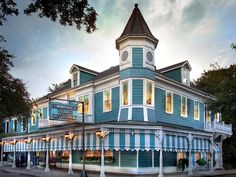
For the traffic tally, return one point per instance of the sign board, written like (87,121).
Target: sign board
(63,110)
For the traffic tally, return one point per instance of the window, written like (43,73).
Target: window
(7,126)
(23,125)
(169,102)
(14,125)
(217,117)
(196,110)
(208,116)
(197,156)
(45,113)
(75,79)
(149,93)
(107,100)
(184,109)
(185,77)
(33,118)
(125,93)
(84,99)
(181,155)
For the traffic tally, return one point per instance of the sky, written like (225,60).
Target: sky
(200,31)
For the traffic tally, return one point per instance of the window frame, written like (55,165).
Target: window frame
(14,125)
(186,107)
(104,104)
(33,123)
(89,104)
(22,125)
(7,127)
(145,93)
(171,93)
(198,107)
(206,115)
(73,79)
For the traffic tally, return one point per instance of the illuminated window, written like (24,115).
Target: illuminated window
(217,117)
(107,100)
(208,116)
(181,155)
(149,95)
(75,79)
(33,118)
(184,108)
(169,102)
(125,93)
(84,99)
(197,156)
(196,110)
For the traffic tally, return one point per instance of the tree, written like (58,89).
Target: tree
(221,82)
(14,98)
(233,46)
(54,88)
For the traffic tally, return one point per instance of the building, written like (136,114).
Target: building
(150,119)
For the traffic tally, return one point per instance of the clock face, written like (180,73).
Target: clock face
(124,56)
(149,56)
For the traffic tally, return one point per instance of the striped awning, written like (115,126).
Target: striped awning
(200,144)
(115,140)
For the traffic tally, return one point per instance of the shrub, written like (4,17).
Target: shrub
(201,162)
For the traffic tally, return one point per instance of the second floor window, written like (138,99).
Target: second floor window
(7,127)
(14,125)
(84,99)
(208,116)
(24,125)
(33,118)
(75,79)
(107,100)
(149,96)
(184,106)
(125,93)
(169,102)
(196,110)
(45,113)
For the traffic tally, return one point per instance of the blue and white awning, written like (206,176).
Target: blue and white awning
(199,144)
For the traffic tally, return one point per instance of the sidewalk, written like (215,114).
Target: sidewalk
(39,172)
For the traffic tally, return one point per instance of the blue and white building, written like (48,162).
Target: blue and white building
(152,117)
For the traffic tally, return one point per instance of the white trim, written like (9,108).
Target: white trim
(186,102)
(171,112)
(103,100)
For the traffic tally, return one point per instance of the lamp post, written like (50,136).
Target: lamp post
(83,174)
(102,135)
(13,142)
(70,137)
(28,142)
(2,146)
(47,141)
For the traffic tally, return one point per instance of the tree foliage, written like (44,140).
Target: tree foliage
(54,87)
(221,82)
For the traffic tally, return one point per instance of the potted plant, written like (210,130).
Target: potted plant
(201,162)
(182,163)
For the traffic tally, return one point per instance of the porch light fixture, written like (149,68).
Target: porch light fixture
(28,141)
(13,142)
(69,136)
(46,138)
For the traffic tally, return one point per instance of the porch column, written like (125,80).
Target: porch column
(14,157)
(70,171)
(190,168)
(160,136)
(47,169)
(221,154)
(212,161)
(2,147)
(28,157)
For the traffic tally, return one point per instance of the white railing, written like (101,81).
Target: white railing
(50,123)
(214,126)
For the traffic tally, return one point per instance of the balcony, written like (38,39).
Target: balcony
(43,123)
(218,127)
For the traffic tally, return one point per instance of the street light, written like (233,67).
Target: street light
(2,146)
(28,142)
(102,135)
(83,174)
(13,142)
(70,137)
(47,139)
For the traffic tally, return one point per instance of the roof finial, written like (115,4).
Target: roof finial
(136,5)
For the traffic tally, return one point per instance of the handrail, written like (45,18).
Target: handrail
(218,126)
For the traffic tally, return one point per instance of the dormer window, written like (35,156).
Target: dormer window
(75,79)
(185,77)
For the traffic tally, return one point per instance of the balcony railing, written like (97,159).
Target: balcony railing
(50,123)
(215,126)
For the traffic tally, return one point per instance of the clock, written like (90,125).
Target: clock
(124,56)
(149,56)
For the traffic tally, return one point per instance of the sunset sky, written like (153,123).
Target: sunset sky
(194,30)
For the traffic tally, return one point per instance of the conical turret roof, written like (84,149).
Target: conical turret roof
(136,27)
